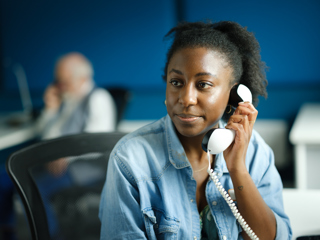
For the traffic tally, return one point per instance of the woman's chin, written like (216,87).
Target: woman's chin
(190,132)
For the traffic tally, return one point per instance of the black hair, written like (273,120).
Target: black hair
(238,46)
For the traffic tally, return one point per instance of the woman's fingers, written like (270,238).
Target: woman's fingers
(243,118)
(246,108)
(238,122)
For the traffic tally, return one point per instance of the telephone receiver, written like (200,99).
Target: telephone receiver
(219,139)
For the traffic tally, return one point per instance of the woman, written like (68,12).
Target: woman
(157,186)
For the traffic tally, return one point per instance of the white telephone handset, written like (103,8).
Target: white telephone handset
(219,139)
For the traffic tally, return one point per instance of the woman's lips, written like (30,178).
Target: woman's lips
(187,118)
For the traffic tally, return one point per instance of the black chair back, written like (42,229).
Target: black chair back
(60,182)
(121,97)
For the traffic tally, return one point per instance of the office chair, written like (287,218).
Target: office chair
(309,238)
(63,204)
(121,97)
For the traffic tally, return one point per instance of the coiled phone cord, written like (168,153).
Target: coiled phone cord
(230,202)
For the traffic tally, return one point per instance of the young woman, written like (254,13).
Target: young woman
(157,185)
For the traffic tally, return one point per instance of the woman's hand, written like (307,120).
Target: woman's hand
(241,122)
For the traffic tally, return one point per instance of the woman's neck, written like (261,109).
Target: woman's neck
(192,147)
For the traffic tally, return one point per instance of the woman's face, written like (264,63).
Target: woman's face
(198,87)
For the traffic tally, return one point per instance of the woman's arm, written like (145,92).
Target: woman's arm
(251,205)
(120,213)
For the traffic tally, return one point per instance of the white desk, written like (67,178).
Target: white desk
(305,135)
(301,206)
(11,136)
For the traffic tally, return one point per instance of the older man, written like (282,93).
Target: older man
(72,102)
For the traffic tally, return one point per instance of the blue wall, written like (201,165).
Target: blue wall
(124,41)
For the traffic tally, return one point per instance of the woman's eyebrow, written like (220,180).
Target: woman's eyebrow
(176,71)
(204,74)
(197,75)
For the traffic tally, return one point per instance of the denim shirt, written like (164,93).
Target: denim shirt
(150,192)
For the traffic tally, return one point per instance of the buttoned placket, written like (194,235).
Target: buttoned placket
(191,188)
(215,201)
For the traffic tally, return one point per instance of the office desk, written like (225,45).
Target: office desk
(305,135)
(301,206)
(11,136)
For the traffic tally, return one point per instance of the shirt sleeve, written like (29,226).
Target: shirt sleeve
(102,112)
(120,214)
(270,188)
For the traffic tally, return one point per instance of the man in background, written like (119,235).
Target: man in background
(73,103)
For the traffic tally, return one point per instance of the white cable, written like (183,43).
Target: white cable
(230,202)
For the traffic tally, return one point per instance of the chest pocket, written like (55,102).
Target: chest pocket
(159,226)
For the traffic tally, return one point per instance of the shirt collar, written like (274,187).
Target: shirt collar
(177,155)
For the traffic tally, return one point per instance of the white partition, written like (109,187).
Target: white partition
(305,135)
(303,209)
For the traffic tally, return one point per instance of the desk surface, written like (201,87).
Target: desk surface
(306,127)
(301,206)
(11,136)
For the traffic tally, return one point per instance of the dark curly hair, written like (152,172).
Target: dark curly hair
(239,47)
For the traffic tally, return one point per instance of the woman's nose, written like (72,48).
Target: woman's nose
(188,96)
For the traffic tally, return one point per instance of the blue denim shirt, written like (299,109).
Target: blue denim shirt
(150,192)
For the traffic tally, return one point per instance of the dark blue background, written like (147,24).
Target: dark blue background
(124,41)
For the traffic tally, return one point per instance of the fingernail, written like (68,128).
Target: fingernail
(244,102)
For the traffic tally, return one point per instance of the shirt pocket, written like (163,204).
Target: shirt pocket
(160,226)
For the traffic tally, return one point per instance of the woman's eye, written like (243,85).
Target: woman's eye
(175,83)
(204,85)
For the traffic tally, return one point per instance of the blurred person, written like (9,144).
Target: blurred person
(73,103)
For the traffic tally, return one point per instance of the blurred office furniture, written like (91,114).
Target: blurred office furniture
(16,129)
(63,205)
(302,207)
(121,97)
(275,133)
(305,135)
(11,135)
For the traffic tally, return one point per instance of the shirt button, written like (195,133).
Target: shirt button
(209,216)
(195,238)
(192,201)
(224,237)
(214,203)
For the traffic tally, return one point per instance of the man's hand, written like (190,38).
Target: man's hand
(58,167)
(52,98)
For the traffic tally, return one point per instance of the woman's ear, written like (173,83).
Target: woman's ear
(232,85)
